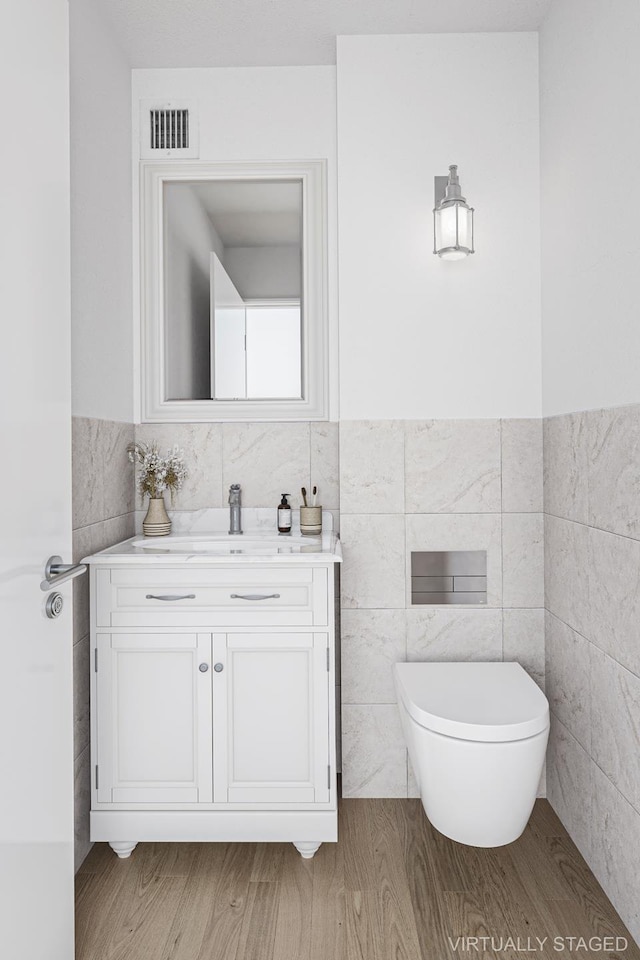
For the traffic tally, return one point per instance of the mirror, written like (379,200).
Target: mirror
(234,299)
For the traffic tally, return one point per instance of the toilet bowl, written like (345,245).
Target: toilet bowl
(477,736)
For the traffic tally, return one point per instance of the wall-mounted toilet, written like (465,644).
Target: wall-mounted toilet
(477,736)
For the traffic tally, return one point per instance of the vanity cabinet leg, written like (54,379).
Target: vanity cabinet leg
(306,848)
(125,848)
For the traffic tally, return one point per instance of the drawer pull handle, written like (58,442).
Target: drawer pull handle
(255,596)
(171,596)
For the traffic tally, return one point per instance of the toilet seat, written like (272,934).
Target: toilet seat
(485,702)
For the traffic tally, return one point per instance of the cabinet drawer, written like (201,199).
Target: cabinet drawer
(222,596)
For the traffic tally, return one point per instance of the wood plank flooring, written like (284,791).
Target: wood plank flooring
(393,888)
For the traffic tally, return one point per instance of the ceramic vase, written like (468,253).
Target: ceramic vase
(157,522)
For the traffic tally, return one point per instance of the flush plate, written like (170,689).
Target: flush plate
(449,577)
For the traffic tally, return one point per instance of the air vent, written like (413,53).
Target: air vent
(168,130)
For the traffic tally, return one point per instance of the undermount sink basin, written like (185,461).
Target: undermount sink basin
(222,543)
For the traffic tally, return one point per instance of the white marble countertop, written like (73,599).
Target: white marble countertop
(201,538)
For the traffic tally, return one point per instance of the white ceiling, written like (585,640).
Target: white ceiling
(251,214)
(223,33)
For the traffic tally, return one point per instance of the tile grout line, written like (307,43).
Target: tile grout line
(596,764)
(592,643)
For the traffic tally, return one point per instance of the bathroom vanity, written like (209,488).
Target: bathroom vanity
(213,690)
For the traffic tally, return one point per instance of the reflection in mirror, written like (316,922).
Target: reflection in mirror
(233,289)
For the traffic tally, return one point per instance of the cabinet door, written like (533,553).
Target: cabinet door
(153,718)
(271,718)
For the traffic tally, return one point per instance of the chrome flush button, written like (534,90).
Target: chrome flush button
(53,606)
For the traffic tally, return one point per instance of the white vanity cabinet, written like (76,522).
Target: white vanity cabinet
(152,709)
(271,718)
(213,702)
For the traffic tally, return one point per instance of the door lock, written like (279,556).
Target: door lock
(53,606)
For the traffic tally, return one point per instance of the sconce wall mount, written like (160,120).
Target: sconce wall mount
(452,219)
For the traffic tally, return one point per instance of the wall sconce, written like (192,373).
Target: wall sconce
(452,219)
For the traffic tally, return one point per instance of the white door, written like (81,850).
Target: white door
(36,729)
(152,709)
(271,718)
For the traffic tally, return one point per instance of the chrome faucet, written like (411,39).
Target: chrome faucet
(235,509)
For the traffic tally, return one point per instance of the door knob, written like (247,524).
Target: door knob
(218,667)
(203,667)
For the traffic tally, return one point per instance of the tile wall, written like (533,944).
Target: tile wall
(592,577)
(103,504)
(266,459)
(431,485)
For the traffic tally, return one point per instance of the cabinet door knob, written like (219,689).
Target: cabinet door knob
(218,667)
(203,667)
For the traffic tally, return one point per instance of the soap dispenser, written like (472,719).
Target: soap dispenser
(284,515)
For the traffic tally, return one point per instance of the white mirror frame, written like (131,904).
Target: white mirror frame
(314,339)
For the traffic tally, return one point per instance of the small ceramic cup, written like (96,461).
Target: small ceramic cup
(310,521)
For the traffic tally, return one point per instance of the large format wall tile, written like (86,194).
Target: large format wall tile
(615,844)
(201,444)
(114,530)
(459,532)
(441,634)
(523,560)
(615,708)
(82,805)
(102,476)
(374,756)
(592,581)
(373,571)
(566,458)
(522,472)
(118,472)
(570,785)
(372,466)
(614,585)
(452,466)
(614,470)
(566,549)
(81,724)
(325,463)
(568,671)
(85,542)
(267,460)
(372,641)
(87,472)
(523,641)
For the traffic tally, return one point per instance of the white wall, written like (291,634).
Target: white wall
(101,251)
(253,113)
(189,239)
(590,140)
(420,337)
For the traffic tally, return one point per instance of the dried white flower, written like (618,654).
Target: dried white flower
(155,473)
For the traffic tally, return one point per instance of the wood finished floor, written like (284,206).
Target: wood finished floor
(393,888)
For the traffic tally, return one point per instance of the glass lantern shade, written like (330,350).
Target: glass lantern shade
(453,230)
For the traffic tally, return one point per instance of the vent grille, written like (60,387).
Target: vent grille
(169,129)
